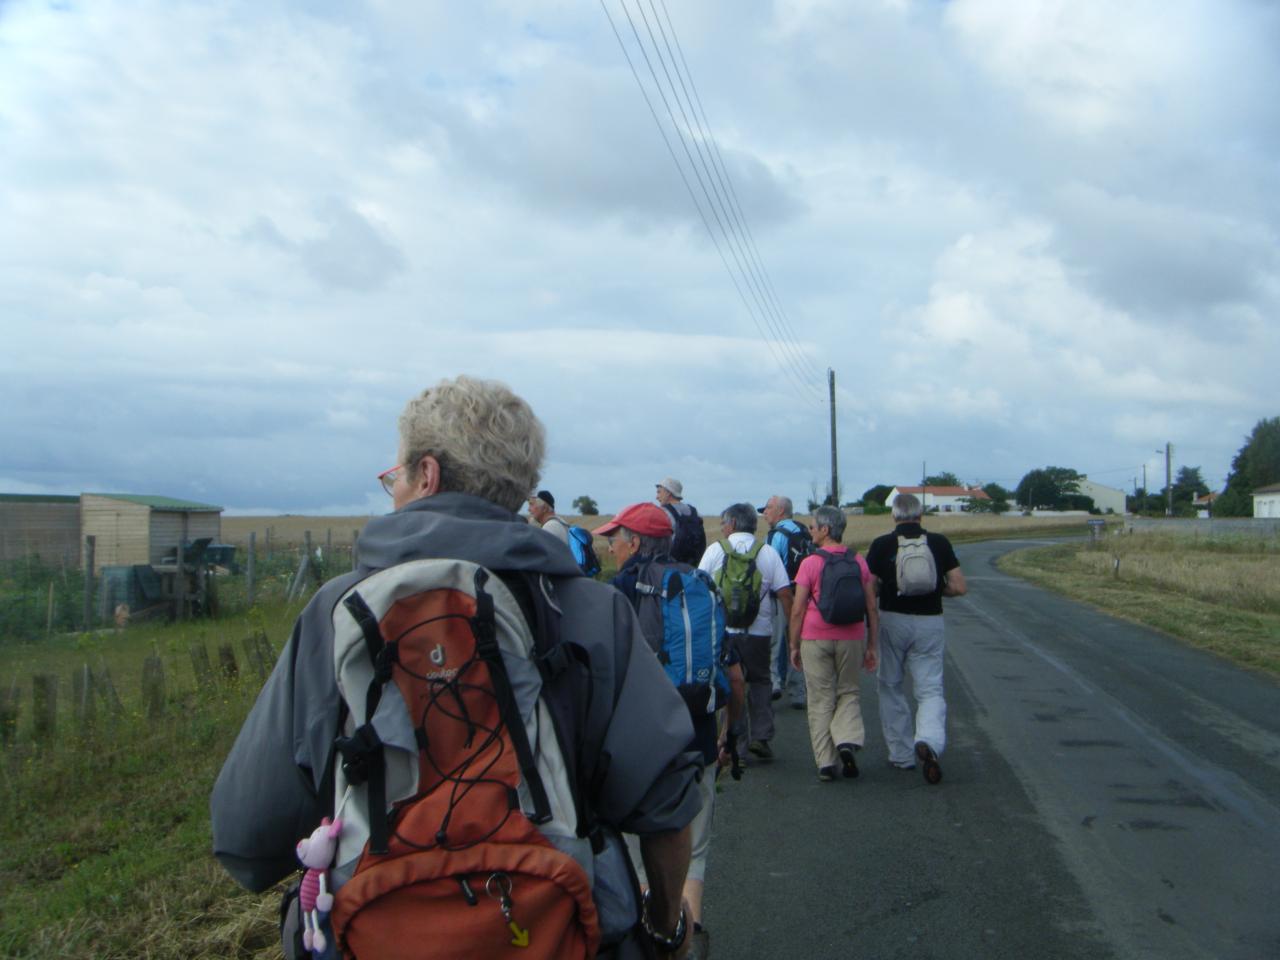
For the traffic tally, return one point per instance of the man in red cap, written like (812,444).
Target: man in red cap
(640,542)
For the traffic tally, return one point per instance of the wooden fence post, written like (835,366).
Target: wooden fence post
(44,705)
(248,570)
(82,703)
(264,647)
(107,688)
(201,665)
(89,545)
(253,655)
(9,702)
(180,578)
(299,578)
(227,661)
(153,686)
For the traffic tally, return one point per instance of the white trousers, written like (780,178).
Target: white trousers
(916,644)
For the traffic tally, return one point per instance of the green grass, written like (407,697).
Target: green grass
(1219,595)
(106,844)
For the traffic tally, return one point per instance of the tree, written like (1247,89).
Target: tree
(1188,485)
(586,507)
(1052,488)
(943,479)
(1256,465)
(876,494)
(999,502)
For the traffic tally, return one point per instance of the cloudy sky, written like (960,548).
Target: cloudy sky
(235,238)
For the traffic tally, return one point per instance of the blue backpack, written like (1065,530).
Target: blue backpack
(682,617)
(583,552)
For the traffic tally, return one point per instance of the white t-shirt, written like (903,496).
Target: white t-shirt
(773,576)
(557,528)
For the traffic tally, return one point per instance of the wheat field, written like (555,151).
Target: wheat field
(290,529)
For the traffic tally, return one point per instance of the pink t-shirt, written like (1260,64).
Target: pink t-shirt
(810,575)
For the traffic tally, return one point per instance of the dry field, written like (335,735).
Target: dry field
(290,529)
(1222,595)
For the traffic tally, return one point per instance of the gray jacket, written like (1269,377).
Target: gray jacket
(269,793)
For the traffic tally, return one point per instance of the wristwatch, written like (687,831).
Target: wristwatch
(664,943)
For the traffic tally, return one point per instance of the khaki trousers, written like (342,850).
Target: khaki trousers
(835,708)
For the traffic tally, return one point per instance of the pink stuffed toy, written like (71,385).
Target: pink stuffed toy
(316,853)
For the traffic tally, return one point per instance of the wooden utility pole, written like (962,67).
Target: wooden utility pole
(835,473)
(87,619)
(1168,479)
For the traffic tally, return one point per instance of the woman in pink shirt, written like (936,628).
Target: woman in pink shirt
(829,653)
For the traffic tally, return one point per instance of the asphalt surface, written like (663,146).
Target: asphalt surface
(1107,792)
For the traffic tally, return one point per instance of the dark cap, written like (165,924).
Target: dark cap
(546,497)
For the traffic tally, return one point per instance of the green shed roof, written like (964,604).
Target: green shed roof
(37,498)
(162,503)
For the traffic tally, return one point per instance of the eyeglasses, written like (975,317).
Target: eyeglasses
(388,478)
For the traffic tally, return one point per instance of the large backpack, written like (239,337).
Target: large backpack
(915,568)
(688,535)
(463,829)
(682,617)
(739,582)
(583,552)
(841,599)
(799,545)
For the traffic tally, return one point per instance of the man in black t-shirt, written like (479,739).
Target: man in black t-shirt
(912,637)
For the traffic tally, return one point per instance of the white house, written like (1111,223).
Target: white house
(944,499)
(1107,499)
(1266,501)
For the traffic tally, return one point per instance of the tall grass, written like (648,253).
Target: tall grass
(106,839)
(1219,594)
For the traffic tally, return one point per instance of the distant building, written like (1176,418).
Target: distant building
(132,529)
(1107,499)
(942,499)
(1204,505)
(40,525)
(1266,501)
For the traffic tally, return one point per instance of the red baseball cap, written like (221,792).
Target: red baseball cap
(646,519)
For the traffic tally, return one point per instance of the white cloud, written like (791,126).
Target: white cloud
(1020,234)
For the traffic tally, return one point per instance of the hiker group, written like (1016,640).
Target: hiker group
(475,749)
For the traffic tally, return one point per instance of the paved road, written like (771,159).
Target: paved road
(1108,792)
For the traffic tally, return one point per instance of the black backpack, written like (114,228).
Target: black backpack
(799,546)
(841,599)
(689,538)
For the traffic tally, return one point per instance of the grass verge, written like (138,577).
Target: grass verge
(1221,596)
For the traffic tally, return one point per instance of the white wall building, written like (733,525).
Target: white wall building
(1104,498)
(944,499)
(1266,501)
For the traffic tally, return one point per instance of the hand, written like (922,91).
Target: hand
(870,659)
(795,656)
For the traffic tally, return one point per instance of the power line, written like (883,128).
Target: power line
(784,360)
(735,232)
(733,193)
(794,369)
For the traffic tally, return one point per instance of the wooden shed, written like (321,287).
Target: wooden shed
(130,529)
(43,526)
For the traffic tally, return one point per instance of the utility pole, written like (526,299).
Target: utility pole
(835,473)
(1168,478)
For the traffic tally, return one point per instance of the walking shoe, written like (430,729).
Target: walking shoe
(699,943)
(848,765)
(776,695)
(826,774)
(798,704)
(761,749)
(929,764)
